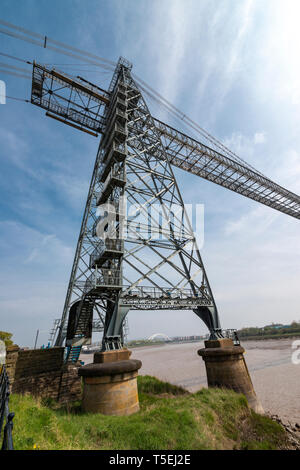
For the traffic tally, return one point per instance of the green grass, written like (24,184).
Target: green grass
(170,418)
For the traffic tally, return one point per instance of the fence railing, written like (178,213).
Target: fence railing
(103,278)
(109,245)
(6,418)
(231,334)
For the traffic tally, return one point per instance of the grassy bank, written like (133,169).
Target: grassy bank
(170,418)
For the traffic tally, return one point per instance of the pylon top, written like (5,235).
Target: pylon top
(125,63)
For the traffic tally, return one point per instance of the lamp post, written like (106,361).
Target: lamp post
(37,335)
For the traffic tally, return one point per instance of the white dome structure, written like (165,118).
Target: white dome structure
(158,336)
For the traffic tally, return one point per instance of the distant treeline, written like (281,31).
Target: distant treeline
(270,331)
(276,330)
(143,342)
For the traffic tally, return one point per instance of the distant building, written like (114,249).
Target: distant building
(277,326)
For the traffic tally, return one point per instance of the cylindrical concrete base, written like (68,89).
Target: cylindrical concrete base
(110,388)
(226,367)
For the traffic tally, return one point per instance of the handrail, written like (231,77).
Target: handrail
(5,415)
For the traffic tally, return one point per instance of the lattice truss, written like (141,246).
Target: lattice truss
(137,248)
(67,99)
(209,163)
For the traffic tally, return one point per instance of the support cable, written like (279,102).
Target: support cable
(9,66)
(177,113)
(16,58)
(45,40)
(19,75)
(16,99)
(108,64)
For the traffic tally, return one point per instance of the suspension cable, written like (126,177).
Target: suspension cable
(105,63)
(9,66)
(192,124)
(15,98)
(15,58)
(19,75)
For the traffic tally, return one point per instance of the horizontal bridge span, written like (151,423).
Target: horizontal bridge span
(194,157)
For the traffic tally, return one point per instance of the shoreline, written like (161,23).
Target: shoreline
(242,339)
(269,338)
(170,343)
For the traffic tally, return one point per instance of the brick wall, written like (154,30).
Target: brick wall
(11,361)
(41,372)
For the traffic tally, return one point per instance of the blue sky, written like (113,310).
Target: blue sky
(233,67)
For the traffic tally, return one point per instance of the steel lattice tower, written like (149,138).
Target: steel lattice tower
(136,248)
(133,265)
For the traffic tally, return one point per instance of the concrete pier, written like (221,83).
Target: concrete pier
(226,367)
(110,385)
(112,356)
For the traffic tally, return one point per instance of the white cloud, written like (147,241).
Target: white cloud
(25,245)
(245,146)
(16,150)
(288,169)
(255,221)
(50,247)
(259,138)
(253,270)
(35,271)
(221,54)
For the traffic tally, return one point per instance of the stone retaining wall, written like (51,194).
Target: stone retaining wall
(41,372)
